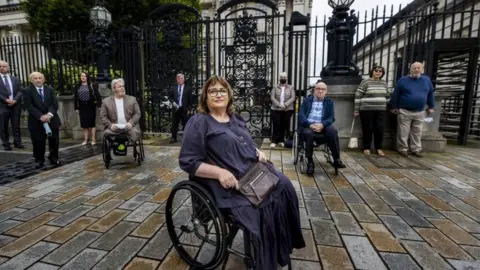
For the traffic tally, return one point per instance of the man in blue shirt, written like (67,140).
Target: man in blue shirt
(412,94)
(315,123)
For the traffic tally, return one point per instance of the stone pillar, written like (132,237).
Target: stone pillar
(343,98)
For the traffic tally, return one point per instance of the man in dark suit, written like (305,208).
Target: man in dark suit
(182,100)
(42,106)
(10,107)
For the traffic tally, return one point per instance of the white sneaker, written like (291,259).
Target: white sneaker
(272,145)
(281,144)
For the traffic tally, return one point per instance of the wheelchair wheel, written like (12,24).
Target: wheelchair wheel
(295,149)
(303,164)
(203,220)
(142,151)
(106,153)
(136,155)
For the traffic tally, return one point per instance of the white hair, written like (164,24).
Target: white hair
(115,81)
(180,75)
(283,74)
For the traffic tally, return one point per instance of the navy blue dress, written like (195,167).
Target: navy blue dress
(274,226)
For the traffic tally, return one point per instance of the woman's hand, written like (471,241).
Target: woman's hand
(227,180)
(261,156)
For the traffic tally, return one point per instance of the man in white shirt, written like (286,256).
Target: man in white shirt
(10,107)
(120,113)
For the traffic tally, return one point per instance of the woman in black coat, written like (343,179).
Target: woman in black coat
(87,100)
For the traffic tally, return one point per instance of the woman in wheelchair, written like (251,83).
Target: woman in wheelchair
(217,150)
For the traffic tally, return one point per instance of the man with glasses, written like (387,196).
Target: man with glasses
(316,119)
(182,100)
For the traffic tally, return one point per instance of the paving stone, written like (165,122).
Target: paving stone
(317,209)
(325,233)
(26,241)
(4,239)
(474,251)
(32,224)
(43,266)
(365,191)
(154,188)
(45,184)
(411,217)
(467,265)
(435,202)
(37,211)
(310,251)
(135,201)
(334,258)
(36,202)
(362,253)
(85,260)
(64,234)
(379,206)
(463,221)
(108,221)
(157,247)
(423,209)
(346,224)
(141,213)
(456,233)
(29,256)
(354,180)
(305,265)
(121,255)
(72,194)
(327,188)
(8,224)
(425,256)
(335,203)
(100,199)
(111,238)
(467,209)
(390,198)
(44,191)
(71,204)
(399,228)
(71,248)
(363,213)
(11,213)
(381,238)
(129,193)
(142,264)
(173,260)
(99,190)
(70,216)
(150,226)
(163,194)
(349,195)
(446,247)
(105,208)
(399,261)
(304,219)
(475,202)
(12,204)
(411,186)
(311,193)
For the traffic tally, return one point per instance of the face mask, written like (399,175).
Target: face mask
(282,81)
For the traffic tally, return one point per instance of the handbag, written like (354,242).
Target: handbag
(257,183)
(353,142)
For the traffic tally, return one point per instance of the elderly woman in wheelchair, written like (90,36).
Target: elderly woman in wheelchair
(316,119)
(120,115)
(217,152)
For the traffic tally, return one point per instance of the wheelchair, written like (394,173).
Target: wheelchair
(214,229)
(119,147)
(298,151)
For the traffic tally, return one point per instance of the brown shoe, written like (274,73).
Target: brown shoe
(366,152)
(380,152)
(403,153)
(417,154)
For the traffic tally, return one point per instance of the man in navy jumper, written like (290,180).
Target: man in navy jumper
(412,94)
(316,118)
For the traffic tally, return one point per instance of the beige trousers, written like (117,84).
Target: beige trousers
(409,125)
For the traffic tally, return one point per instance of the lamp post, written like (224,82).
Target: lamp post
(340,31)
(101,18)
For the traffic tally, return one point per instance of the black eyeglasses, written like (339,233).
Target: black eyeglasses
(213,92)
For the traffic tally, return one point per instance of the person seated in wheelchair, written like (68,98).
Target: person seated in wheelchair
(217,150)
(120,113)
(316,118)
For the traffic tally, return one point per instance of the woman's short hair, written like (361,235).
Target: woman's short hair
(375,66)
(115,81)
(203,102)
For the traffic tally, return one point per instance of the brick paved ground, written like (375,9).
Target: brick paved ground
(378,214)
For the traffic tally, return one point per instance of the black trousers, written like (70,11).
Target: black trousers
(38,137)
(373,124)
(10,115)
(178,116)
(330,138)
(281,122)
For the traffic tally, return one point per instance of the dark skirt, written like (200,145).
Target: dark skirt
(274,227)
(88,114)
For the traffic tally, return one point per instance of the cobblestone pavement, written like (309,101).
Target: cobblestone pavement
(390,213)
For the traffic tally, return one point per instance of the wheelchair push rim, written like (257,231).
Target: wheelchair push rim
(295,149)
(206,217)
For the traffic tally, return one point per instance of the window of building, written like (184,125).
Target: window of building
(461,33)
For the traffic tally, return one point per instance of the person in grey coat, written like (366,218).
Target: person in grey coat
(283,100)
